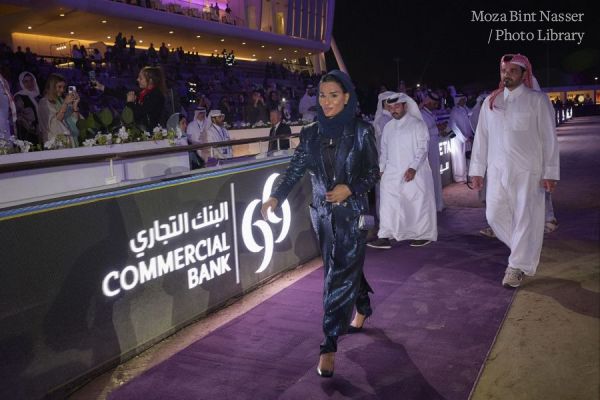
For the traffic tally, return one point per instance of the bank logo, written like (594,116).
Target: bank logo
(265,226)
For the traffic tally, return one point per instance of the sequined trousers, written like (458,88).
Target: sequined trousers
(345,286)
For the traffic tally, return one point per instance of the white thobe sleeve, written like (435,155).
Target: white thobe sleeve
(547,129)
(465,126)
(383,148)
(211,137)
(456,126)
(422,144)
(479,152)
(194,135)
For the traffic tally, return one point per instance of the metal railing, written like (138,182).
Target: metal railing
(111,157)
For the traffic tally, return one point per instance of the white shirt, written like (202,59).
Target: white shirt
(307,102)
(517,135)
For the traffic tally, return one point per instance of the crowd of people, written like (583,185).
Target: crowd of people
(244,93)
(515,157)
(210,12)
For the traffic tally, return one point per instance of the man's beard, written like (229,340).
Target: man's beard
(509,83)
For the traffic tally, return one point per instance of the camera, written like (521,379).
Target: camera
(72,89)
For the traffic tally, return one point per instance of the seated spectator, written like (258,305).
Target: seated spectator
(196,129)
(8,113)
(274,100)
(57,116)
(216,132)
(26,102)
(203,101)
(256,110)
(226,107)
(278,128)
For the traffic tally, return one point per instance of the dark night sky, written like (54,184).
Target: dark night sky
(439,45)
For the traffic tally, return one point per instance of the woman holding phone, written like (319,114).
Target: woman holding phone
(58,114)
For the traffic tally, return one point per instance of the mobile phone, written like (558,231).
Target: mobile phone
(72,89)
(92,76)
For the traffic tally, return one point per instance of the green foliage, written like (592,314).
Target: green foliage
(127,116)
(105,117)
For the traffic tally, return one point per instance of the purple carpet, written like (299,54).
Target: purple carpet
(436,312)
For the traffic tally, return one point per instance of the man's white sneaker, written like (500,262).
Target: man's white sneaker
(512,277)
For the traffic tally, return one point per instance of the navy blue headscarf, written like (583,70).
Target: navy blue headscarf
(334,127)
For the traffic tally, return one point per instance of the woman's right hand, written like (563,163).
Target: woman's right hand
(271,204)
(99,86)
(131,97)
(70,98)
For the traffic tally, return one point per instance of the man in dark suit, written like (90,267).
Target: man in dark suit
(278,128)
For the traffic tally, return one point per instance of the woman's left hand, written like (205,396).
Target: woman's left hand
(338,194)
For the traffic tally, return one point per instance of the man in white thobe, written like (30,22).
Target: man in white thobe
(431,103)
(216,132)
(196,130)
(308,104)
(407,197)
(460,124)
(382,117)
(516,145)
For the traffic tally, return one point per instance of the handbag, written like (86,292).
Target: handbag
(366,222)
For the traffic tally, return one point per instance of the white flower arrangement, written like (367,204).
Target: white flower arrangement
(14,145)
(58,142)
(4,146)
(23,145)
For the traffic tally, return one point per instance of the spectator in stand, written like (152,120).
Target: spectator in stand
(8,112)
(118,39)
(216,132)
(274,101)
(163,53)
(96,56)
(83,52)
(308,104)
(132,44)
(204,101)
(278,128)
(256,110)
(149,106)
(58,116)
(30,58)
(108,56)
(26,102)
(196,133)
(226,107)
(77,56)
(152,56)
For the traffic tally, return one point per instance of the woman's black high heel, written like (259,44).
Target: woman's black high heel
(325,373)
(357,329)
